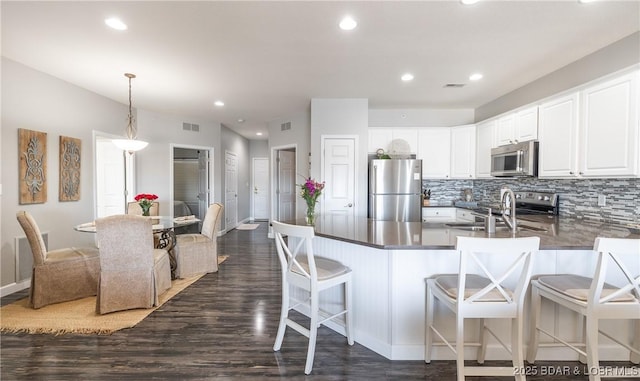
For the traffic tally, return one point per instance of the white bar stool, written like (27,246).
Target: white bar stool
(594,300)
(478,291)
(302,269)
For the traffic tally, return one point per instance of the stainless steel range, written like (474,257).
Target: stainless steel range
(535,211)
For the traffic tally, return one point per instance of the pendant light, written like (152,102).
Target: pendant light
(130,144)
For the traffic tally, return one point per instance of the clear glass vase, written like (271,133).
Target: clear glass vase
(310,217)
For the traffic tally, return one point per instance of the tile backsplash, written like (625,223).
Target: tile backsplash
(578,197)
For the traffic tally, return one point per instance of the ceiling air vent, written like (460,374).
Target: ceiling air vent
(454,85)
(285,126)
(190,127)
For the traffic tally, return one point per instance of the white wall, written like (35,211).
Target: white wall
(232,142)
(153,164)
(300,136)
(614,57)
(402,117)
(37,101)
(342,117)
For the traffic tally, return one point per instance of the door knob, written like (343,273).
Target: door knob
(349,205)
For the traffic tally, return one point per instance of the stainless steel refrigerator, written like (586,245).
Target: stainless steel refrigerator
(395,188)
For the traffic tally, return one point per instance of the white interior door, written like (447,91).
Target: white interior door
(114,174)
(338,173)
(231,191)
(203,182)
(286,185)
(260,179)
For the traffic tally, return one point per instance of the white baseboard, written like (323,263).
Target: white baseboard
(14,287)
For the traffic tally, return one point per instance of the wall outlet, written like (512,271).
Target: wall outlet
(602,200)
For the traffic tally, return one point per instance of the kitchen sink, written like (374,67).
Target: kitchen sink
(470,226)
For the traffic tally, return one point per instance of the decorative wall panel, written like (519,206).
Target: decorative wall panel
(70,160)
(32,149)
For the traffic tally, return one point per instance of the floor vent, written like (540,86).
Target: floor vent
(285,126)
(24,257)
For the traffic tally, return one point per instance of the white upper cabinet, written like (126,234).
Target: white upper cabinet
(593,132)
(609,127)
(526,124)
(506,129)
(384,137)
(485,140)
(518,126)
(404,135)
(434,148)
(558,130)
(379,138)
(463,152)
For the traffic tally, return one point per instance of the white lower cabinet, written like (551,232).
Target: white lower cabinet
(437,214)
(464,215)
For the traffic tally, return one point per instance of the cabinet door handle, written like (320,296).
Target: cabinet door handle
(571,172)
(581,173)
(515,141)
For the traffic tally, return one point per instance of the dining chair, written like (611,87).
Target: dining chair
(491,283)
(198,253)
(132,272)
(133,207)
(301,268)
(618,260)
(58,275)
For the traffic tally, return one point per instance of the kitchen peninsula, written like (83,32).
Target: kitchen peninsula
(390,261)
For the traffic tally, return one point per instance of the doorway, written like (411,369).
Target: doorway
(284,184)
(191,183)
(114,174)
(260,180)
(338,170)
(231,190)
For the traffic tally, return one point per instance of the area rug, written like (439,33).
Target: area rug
(79,316)
(247,226)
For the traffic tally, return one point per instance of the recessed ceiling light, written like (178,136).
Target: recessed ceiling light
(475,77)
(469,2)
(259,133)
(348,23)
(115,23)
(240,120)
(407,77)
(585,1)
(219,103)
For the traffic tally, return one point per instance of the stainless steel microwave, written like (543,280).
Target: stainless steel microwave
(519,159)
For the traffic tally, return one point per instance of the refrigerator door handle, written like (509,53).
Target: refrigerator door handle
(375,179)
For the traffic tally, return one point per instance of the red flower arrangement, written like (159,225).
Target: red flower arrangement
(145,201)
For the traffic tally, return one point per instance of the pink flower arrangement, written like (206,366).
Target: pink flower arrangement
(310,191)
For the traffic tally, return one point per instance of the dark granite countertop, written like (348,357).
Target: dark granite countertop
(561,233)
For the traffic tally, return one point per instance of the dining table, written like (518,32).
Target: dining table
(164,234)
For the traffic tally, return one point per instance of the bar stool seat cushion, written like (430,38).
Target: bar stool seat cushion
(473,283)
(327,268)
(577,287)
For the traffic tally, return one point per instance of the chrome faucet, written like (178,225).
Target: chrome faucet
(508,206)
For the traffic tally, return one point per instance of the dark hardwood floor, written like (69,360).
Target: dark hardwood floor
(220,328)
